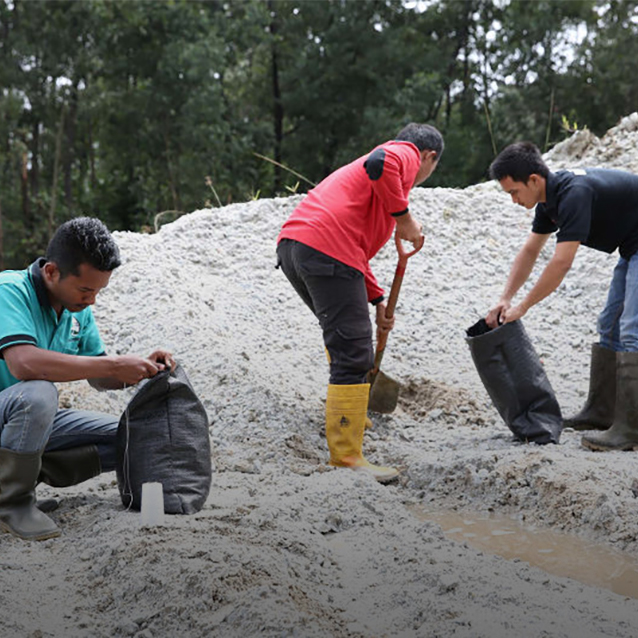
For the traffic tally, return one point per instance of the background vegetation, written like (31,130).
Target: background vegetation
(124,109)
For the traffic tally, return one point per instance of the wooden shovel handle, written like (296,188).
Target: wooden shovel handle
(382,336)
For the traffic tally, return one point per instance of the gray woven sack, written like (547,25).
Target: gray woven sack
(163,437)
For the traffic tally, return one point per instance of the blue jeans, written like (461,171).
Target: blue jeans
(30,421)
(618,322)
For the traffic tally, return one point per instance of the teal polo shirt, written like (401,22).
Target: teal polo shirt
(26,317)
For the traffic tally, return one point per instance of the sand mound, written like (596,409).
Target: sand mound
(287,546)
(616,149)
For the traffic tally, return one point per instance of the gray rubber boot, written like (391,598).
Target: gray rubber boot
(623,434)
(18,512)
(62,468)
(598,411)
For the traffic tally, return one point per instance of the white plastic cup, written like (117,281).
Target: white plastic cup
(152,504)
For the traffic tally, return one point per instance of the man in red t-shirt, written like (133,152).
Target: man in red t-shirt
(324,249)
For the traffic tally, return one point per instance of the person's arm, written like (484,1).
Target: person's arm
(388,170)
(550,279)
(374,291)
(29,363)
(521,269)
(162,358)
(384,324)
(409,229)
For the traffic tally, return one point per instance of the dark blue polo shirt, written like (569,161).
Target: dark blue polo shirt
(595,206)
(26,317)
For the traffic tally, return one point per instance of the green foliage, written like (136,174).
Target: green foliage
(134,110)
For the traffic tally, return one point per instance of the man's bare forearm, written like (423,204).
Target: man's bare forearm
(29,363)
(521,270)
(550,279)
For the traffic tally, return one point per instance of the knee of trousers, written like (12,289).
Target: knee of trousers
(40,398)
(351,355)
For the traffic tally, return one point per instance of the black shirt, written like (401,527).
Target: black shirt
(595,206)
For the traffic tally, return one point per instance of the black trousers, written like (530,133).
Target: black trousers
(337,296)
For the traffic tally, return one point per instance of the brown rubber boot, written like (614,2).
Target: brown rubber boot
(18,512)
(623,434)
(599,408)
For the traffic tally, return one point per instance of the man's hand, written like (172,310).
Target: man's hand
(503,312)
(513,313)
(383,323)
(409,229)
(131,370)
(163,359)
(496,315)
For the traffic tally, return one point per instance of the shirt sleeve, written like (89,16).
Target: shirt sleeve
(543,224)
(389,173)
(17,325)
(91,344)
(574,214)
(372,286)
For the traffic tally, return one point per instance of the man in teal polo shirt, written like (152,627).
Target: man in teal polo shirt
(47,335)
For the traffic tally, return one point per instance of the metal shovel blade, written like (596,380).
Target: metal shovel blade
(384,394)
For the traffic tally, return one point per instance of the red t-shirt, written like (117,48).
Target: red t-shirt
(348,216)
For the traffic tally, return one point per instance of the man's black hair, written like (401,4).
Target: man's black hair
(518,161)
(423,136)
(83,240)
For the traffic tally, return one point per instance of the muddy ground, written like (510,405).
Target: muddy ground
(285,545)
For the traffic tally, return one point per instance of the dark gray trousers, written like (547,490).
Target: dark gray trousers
(337,296)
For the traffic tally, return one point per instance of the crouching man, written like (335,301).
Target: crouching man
(47,335)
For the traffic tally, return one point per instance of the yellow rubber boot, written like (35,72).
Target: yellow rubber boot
(346,408)
(369,423)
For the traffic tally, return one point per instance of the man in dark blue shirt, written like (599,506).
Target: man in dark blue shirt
(597,208)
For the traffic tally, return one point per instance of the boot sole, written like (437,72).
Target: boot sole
(378,478)
(582,427)
(599,447)
(40,537)
(384,480)
(362,468)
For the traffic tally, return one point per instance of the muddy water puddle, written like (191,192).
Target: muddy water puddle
(557,553)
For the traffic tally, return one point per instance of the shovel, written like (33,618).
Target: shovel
(384,391)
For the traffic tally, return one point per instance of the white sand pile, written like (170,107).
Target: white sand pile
(286,546)
(616,149)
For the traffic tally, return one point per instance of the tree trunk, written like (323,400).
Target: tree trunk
(171,174)
(56,172)
(1,240)
(69,147)
(34,173)
(93,175)
(24,184)
(278,109)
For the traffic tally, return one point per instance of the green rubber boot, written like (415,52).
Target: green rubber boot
(62,468)
(623,434)
(18,512)
(599,408)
